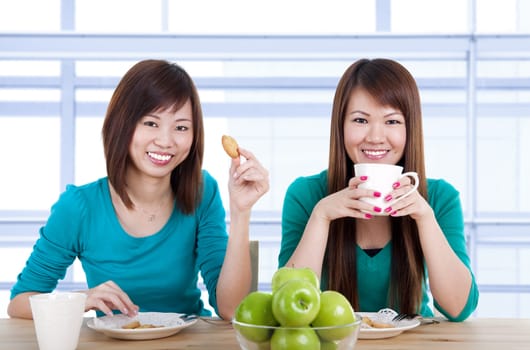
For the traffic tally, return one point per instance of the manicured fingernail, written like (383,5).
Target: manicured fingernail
(364,178)
(388,210)
(377,194)
(393,213)
(368,216)
(377,209)
(395,185)
(388,198)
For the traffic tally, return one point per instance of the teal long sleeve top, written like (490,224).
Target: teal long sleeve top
(374,272)
(159,272)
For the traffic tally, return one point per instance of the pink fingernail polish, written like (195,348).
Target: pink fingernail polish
(395,185)
(393,213)
(388,198)
(388,210)
(368,216)
(377,194)
(364,178)
(377,209)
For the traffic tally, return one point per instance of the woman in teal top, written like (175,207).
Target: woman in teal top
(376,260)
(144,233)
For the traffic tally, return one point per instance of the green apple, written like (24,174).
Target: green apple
(296,303)
(295,339)
(335,310)
(255,309)
(284,274)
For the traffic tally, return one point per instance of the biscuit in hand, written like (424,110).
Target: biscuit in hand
(230,146)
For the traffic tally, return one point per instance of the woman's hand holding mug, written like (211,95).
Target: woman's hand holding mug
(381,178)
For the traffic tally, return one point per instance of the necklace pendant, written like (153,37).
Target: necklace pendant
(151,218)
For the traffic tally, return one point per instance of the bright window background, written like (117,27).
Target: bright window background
(133,16)
(272,17)
(416,16)
(286,124)
(27,15)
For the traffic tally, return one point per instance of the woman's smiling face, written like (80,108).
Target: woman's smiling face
(373,133)
(162,140)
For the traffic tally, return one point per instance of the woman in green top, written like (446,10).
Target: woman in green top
(380,261)
(146,231)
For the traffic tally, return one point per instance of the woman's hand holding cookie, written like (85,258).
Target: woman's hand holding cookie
(249,180)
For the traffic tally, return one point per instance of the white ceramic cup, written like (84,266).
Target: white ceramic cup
(58,318)
(381,177)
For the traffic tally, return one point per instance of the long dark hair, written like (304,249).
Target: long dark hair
(148,86)
(391,85)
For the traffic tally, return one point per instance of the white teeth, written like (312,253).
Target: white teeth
(160,157)
(374,153)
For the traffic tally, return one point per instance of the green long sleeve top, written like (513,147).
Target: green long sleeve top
(374,272)
(159,272)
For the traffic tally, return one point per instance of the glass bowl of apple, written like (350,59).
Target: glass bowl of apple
(296,314)
(254,337)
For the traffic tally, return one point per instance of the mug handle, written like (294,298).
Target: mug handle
(414,175)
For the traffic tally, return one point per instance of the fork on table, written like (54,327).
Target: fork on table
(405,316)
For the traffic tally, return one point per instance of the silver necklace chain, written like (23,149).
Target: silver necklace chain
(151,215)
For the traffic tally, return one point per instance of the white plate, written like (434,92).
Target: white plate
(171,323)
(380,333)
